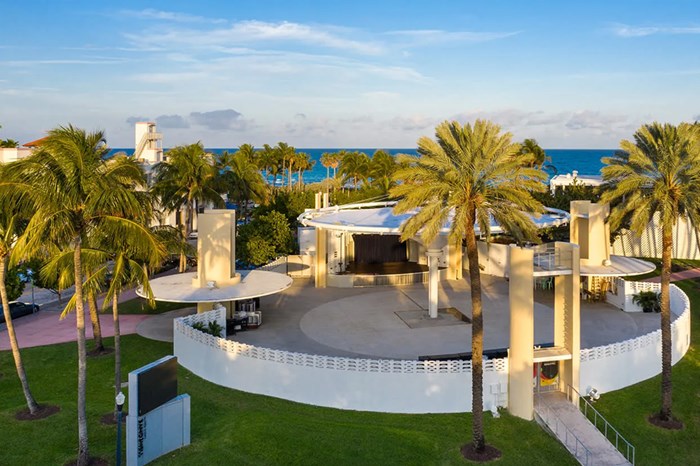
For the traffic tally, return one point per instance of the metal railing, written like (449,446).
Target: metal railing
(564,434)
(548,257)
(621,443)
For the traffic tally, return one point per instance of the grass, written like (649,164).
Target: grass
(232,427)
(141,306)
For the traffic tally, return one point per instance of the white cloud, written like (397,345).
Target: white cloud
(243,33)
(150,13)
(624,30)
(420,37)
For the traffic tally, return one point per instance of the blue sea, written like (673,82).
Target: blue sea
(586,161)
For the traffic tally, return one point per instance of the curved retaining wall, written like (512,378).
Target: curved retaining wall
(403,386)
(624,363)
(383,385)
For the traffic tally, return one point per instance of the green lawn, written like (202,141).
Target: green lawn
(141,306)
(231,427)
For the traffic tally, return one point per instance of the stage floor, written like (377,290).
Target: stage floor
(385,268)
(371,322)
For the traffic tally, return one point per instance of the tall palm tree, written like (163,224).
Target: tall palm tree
(382,168)
(78,196)
(473,173)
(241,179)
(303,163)
(287,156)
(657,174)
(9,221)
(354,166)
(188,177)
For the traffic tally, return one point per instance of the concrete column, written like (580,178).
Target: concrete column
(204,307)
(455,260)
(321,257)
(326,202)
(434,279)
(522,333)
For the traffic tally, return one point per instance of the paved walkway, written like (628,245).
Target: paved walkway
(586,443)
(47,328)
(678,276)
(366,322)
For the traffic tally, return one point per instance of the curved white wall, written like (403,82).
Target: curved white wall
(622,364)
(385,385)
(403,386)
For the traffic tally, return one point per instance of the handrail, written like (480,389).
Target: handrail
(630,450)
(567,433)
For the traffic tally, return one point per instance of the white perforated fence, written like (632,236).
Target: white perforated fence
(403,386)
(386,385)
(618,365)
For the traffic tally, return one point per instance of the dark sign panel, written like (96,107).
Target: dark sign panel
(157,385)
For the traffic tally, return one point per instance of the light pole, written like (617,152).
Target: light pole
(120,398)
(30,273)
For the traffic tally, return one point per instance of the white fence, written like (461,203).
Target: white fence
(403,386)
(385,385)
(621,364)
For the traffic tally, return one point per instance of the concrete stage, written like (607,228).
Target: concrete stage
(372,322)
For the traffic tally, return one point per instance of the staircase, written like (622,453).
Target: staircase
(578,434)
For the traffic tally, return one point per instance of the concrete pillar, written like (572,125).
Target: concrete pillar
(317,201)
(204,307)
(326,202)
(216,249)
(455,261)
(433,280)
(522,333)
(321,268)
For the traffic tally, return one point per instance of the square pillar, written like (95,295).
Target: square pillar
(454,269)
(433,280)
(321,268)
(522,332)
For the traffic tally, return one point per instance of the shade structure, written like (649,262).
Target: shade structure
(619,266)
(254,284)
(379,218)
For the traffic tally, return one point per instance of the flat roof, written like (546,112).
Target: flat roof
(620,266)
(178,288)
(379,218)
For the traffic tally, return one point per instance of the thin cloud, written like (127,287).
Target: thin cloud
(172,121)
(243,33)
(625,30)
(435,36)
(151,13)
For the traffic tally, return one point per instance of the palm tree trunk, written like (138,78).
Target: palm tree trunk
(83,452)
(95,320)
(21,374)
(117,350)
(477,339)
(666,338)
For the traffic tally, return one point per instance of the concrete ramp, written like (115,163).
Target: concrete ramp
(583,440)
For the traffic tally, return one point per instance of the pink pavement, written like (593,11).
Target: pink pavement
(46,328)
(678,276)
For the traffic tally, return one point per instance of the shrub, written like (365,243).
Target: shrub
(649,301)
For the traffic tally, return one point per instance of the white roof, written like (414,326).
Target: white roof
(178,288)
(571,178)
(378,218)
(619,267)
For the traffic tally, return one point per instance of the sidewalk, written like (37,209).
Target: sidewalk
(46,327)
(678,276)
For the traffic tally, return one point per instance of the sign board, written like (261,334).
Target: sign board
(159,419)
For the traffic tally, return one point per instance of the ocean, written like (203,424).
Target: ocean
(585,161)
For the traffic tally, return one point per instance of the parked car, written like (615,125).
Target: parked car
(193,235)
(18,309)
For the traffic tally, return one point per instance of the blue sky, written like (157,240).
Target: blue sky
(353,74)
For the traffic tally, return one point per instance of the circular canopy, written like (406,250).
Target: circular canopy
(254,283)
(378,218)
(620,266)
